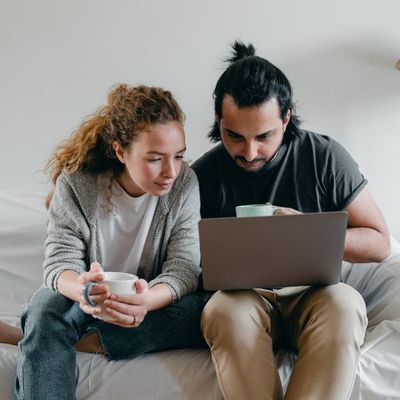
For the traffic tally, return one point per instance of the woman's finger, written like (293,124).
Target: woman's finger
(91,277)
(89,309)
(133,299)
(124,308)
(98,289)
(99,298)
(122,318)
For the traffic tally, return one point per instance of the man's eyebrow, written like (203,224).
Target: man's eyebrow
(260,134)
(163,154)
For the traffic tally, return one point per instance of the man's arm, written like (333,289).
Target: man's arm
(367,237)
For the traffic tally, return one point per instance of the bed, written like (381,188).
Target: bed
(188,373)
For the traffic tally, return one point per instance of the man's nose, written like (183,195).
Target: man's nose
(250,151)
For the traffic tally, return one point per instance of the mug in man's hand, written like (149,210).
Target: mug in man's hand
(255,210)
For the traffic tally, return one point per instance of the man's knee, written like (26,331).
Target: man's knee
(340,311)
(229,313)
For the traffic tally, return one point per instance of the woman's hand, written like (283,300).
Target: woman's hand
(129,310)
(97,293)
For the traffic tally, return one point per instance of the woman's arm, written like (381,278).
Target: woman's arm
(71,284)
(181,269)
(67,228)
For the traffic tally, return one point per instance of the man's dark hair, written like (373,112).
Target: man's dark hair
(251,81)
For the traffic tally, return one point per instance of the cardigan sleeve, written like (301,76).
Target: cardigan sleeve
(181,268)
(65,247)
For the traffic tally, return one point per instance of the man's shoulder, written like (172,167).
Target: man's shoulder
(209,160)
(305,137)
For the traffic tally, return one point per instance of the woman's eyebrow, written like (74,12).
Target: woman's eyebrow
(163,154)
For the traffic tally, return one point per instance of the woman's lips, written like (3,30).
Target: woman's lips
(165,185)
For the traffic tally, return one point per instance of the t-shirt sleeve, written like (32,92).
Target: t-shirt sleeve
(343,179)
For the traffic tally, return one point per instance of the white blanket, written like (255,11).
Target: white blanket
(183,374)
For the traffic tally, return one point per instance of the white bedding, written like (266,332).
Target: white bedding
(182,374)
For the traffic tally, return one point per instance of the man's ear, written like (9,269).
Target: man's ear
(119,152)
(286,119)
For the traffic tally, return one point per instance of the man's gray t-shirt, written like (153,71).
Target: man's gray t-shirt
(309,173)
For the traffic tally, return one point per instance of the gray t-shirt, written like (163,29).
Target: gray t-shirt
(309,173)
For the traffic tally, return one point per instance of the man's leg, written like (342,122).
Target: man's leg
(328,326)
(46,366)
(239,328)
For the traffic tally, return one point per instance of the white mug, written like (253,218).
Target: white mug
(118,283)
(255,210)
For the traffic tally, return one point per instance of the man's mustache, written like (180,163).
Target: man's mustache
(241,158)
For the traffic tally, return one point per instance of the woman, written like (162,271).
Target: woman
(124,200)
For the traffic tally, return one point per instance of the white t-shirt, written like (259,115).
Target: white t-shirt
(123,223)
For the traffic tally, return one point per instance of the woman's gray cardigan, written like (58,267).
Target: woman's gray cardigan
(171,252)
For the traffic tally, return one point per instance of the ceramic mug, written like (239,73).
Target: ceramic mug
(118,283)
(255,210)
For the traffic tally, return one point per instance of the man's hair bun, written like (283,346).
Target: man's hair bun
(240,51)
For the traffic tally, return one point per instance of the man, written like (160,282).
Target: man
(265,157)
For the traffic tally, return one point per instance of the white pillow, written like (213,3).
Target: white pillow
(22,235)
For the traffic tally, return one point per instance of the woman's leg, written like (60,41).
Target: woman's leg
(172,327)
(13,335)
(9,334)
(46,367)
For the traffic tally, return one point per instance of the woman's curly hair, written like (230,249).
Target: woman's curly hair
(129,109)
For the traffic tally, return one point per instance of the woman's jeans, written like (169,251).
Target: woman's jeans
(52,324)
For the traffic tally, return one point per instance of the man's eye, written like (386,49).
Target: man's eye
(265,136)
(154,159)
(179,157)
(233,136)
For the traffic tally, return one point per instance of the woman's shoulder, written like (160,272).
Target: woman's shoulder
(185,185)
(79,187)
(187,178)
(78,178)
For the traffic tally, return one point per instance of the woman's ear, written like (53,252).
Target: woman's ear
(119,151)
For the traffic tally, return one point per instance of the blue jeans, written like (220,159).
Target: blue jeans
(52,324)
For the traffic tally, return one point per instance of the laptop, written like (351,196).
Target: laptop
(272,252)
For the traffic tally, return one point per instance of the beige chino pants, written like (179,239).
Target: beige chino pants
(326,326)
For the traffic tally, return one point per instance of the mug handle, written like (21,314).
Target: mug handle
(86,290)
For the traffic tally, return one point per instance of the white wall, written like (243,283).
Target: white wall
(59,58)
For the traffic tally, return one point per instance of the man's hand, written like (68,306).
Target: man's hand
(285,211)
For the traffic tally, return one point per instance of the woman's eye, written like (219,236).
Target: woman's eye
(154,159)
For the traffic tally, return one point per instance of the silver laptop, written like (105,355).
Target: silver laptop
(272,252)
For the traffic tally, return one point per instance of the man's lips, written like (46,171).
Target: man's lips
(249,164)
